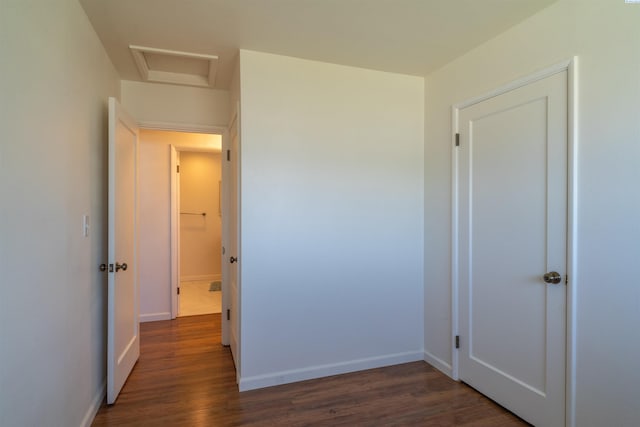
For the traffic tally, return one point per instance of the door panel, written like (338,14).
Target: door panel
(513,216)
(230,214)
(234,247)
(123,342)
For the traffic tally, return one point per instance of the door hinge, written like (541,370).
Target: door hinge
(178,290)
(228,314)
(457,341)
(457,139)
(228,155)
(178,169)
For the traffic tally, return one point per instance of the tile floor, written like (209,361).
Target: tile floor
(195,299)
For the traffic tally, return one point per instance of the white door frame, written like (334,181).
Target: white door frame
(571,67)
(174,208)
(174,225)
(174,218)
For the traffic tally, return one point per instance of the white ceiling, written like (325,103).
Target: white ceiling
(402,36)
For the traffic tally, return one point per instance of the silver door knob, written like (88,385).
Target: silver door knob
(552,277)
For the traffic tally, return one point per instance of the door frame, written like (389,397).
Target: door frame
(175,219)
(174,208)
(571,67)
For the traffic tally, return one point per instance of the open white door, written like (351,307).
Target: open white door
(224,262)
(230,213)
(123,339)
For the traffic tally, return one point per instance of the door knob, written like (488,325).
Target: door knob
(552,277)
(122,266)
(233,259)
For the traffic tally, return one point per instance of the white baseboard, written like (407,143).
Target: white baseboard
(152,317)
(294,375)
(95,405)
(439,364)
(201,278)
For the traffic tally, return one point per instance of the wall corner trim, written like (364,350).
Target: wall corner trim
(439,364)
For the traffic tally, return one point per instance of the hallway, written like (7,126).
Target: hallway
(186,378)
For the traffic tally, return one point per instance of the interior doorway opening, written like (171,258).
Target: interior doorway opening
(160,213)
(199,232)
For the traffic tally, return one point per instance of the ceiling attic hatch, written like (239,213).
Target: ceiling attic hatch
(174,67)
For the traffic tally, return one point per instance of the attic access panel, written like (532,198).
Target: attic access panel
(175,67)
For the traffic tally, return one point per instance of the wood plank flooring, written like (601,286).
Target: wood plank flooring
(186,378)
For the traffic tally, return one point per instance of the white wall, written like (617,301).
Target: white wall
(332,218)
(155,103)
(200,236)
(155,224)
(55,82)
(155,220)
(605,34)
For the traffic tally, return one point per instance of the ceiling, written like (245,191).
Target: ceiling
(402,36)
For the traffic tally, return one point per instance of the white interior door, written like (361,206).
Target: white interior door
(224,262)
(175,231)
(512,230)
(123,339)
(230,214)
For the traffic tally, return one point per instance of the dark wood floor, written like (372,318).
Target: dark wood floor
(186,378)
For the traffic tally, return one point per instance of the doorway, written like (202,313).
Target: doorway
(159,214)
(200,232)
(513,245)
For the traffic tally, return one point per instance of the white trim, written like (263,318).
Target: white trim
(174,229)
(239,240)
(439,364)
(531,78)
(294,375)
(152,317)
(181,127)
(201,278)
(94,407)
(572,241)
(455,327)
(571,67)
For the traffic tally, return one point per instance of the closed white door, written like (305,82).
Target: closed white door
(512,231)
(123,338)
